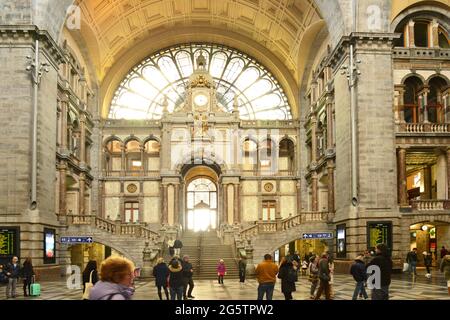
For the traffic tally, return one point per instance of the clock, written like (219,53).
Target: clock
(268,187)
(200,99)
(132,188)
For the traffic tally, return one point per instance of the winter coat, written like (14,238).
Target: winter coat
(411,257)
(443,253)
(27,272)
(445,267)
(14,270)
(178,244)
(358,271)
(187,267)
(288,275)
(104,290)
(324,269)
(313,272)
(176,277)
(385,265)
(221,269)
(266,272)
(161,272)
(242,265)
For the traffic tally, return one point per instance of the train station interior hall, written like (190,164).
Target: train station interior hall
(238,127)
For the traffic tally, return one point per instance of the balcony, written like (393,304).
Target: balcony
(430,205)
(411,119)
(421,53)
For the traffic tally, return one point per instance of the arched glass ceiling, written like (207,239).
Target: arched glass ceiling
(141,93)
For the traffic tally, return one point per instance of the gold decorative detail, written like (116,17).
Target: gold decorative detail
(132,188)
(268,187)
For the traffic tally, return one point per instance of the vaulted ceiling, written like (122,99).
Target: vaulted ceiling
(113,27)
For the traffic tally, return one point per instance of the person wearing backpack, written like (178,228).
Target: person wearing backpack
(288,275)
(116,280)
(358,271)
(324,277)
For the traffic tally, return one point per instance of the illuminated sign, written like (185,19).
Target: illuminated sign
(49,246)
(9,243)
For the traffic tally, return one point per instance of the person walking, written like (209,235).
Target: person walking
(116,280)
(188,272)
(411,259)
(27,274)
(428,261)
(177,245)
(324,277)
(445,267)
(358,271)
(161,273)
(12,271)
(288,275)
(242,270)
(170,244)
(90,273)
(266,273)
(443,252)
(221,271)
(176,280)
(383,261)
(313,275)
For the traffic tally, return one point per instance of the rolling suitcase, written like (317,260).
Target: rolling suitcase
(35,288)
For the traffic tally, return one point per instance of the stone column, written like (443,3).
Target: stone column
(64,123)
(225,204)
(314,201)
(176,210)
(62,188)
(425,106)
(313,138)
(330,169)
(410,34)
(122,163)
(434,34)
(142,151)
(402,193)
(299,196)
(164,199)
(83,138)
(401,103)
(82,184)
(330,123)
(448,174)
(427,182)
(236,204)
(446,107)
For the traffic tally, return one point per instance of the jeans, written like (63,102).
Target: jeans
(412,267)
(266,288)
(241,275)
(176,293)
(360,289)
(381,294)
(313,287)
(11,288)
(188,282)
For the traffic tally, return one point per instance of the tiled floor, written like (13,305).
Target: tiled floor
(402,288)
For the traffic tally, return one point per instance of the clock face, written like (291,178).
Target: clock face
(200,100)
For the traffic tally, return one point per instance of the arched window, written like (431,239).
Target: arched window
(165,74)
(250,157)
(435,106)
(113,157)
(444,40)
(286,160)
(201,205)
(411,99)
(267,156)
(152,150)
(133,156)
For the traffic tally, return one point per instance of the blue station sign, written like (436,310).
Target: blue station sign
(318,235)
(73,240)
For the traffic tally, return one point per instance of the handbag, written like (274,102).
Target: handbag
(405,266)
(87,287)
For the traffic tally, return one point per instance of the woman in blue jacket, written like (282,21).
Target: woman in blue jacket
(161,273)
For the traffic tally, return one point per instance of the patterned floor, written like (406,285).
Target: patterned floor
(403,287)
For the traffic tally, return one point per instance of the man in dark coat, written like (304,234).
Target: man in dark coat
(383,261)
(161,273)
(411,259)
(188,272)
(242,270)
(12,271)
(324,276)
(358,271)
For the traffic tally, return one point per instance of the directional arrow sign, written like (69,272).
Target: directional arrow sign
(318,235)
(70,240)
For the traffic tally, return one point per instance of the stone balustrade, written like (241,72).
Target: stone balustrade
(423,127)
(430,205)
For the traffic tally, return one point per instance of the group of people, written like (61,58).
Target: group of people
(12,272)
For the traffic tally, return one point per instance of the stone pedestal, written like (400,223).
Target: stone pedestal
(149,257)
(228,237)
(250,262)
